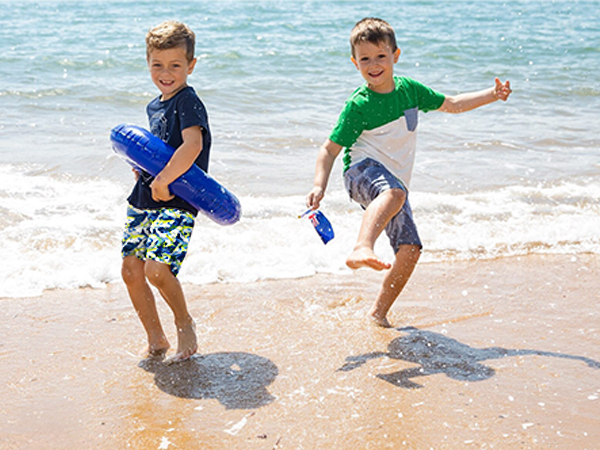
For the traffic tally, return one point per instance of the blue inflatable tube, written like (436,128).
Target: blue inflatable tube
(143,150)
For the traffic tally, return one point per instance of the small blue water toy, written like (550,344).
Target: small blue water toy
(321,224)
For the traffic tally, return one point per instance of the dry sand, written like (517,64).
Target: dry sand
(498,354)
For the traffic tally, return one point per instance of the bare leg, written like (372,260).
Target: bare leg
(143,301)
(168,285)
(393,283)
(377,215)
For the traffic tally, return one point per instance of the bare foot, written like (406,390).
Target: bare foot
(156,353)
(157,349)
(365,257)
(187,344)
(379,321)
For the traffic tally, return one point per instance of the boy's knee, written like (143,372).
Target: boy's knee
(157,272)
(395,196)
(398,195)
(414,253)
(409,253)
(132,270)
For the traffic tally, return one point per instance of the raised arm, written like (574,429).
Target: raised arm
(180,162)
(325,159)
(471,100)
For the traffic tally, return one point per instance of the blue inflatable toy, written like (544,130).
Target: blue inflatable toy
(143,150)
(321,224)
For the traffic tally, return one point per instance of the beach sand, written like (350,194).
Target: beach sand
(498,354)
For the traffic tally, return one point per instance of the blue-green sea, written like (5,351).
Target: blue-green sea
(508,179)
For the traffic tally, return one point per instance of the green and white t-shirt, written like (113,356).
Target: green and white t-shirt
(383,126)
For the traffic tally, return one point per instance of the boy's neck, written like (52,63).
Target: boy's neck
(173,94)
(385,88)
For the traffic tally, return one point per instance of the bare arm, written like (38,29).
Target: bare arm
(471,100)
(180,162)
(325,159)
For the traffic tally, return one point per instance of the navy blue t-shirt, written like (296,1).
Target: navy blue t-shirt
(167,120)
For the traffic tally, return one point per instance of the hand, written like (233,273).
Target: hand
(160,191)
(314,197)
(136,173)
(502,90)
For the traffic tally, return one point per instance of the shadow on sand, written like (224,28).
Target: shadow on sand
(237,380)
(436,353)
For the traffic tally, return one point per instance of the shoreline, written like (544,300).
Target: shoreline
(490,354)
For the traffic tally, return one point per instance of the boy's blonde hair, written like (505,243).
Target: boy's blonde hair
(171,34)
(374,31)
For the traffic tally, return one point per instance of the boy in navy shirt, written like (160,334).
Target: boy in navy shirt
(159,224)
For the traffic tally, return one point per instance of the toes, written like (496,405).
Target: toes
(180,357)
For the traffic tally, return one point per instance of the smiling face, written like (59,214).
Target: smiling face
(376,64)
(169,70)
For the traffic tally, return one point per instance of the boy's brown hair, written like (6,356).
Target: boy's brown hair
(171,34)
(374,31)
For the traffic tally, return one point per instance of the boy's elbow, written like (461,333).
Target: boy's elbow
(451,105)
(331,149)
(193,138)
(195,148)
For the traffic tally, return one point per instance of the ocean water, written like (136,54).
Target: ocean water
(508,179)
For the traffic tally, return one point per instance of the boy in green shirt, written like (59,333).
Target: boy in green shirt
(377,131)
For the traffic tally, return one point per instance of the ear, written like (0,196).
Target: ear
(191,66)
(354,62)
(396,55)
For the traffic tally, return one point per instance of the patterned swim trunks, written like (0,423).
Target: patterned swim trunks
(162,235)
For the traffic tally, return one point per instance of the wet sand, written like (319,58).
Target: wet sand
(498,354)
